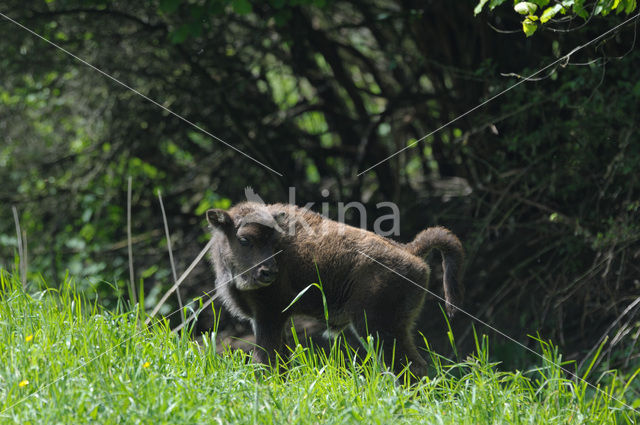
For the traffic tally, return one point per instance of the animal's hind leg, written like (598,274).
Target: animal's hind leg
(407,354)
(390,316)
(398,348)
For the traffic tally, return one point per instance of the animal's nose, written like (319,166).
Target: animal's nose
(267,275)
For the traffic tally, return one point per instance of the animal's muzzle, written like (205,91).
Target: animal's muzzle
(266,274)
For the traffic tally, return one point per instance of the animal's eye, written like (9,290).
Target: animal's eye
(244,241)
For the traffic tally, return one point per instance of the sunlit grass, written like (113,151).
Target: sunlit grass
(66,360)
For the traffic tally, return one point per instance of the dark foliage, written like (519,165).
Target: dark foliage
(541,183)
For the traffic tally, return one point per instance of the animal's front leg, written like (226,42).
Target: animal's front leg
(269,341)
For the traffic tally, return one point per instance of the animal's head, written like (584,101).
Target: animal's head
(251,232)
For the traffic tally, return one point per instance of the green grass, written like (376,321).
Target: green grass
(66,360)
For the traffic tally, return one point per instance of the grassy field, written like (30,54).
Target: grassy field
(67,360)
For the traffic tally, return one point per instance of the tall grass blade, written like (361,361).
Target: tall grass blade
(132,289)
(297,297)
(21,253)
(173,266)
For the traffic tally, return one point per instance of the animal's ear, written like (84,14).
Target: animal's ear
(280,217)
(219,218)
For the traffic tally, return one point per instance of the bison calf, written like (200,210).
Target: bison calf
(265,255)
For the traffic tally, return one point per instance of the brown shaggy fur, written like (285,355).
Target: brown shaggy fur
(359,292)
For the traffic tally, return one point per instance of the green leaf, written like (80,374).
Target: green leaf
(541,3)
(149,272)
(525,8)
(169,6)
(578,8)
(550,12)
(492,5)
(479,6)
(529,27)
(180,34)
(495,3)
(241,7)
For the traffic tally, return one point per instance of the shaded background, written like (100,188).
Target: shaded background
(541,184)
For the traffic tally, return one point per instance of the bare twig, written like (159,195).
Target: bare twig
(630,307)
(173,266)
(21,253)
(179,281)
(139,238)
(134,297)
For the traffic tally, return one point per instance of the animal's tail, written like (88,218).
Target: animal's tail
(452,256)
